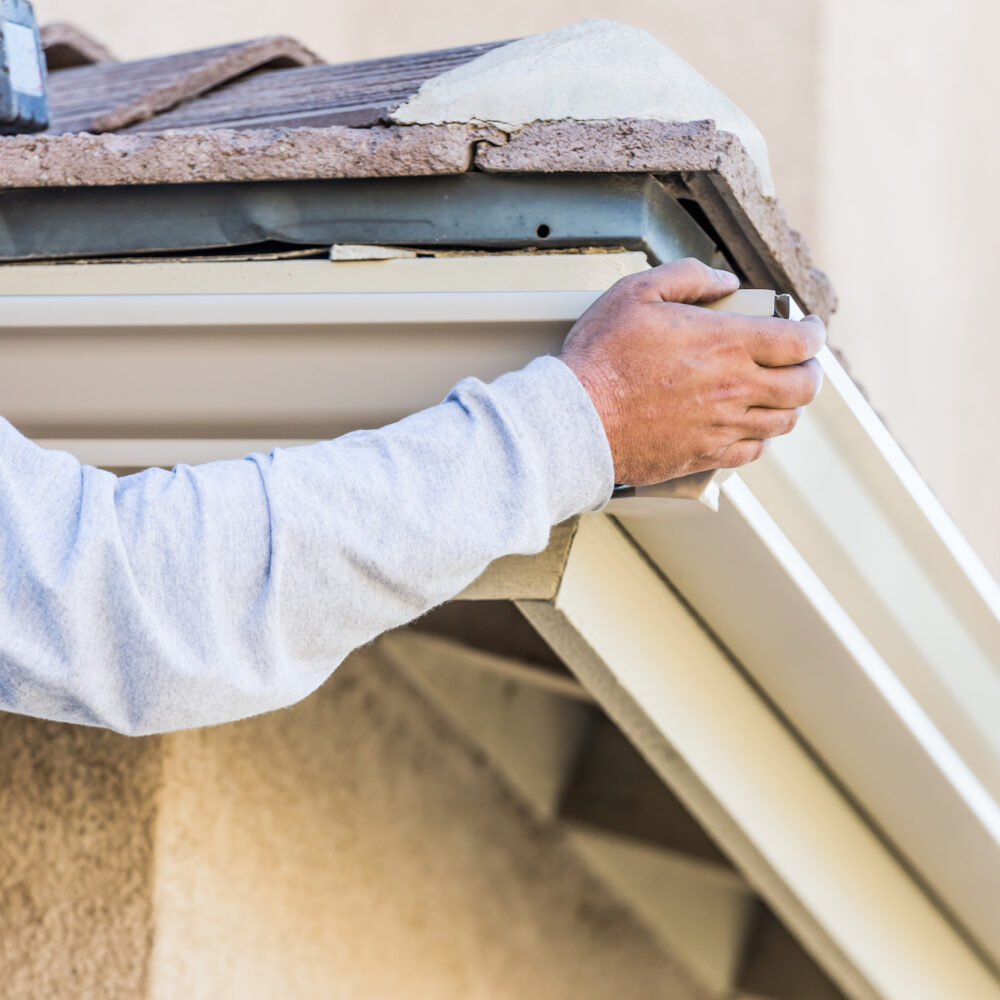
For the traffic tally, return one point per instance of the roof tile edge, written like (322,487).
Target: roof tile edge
(712,164)
(233,63)
(72,46)
(593,70)
(109,160)
(693,150)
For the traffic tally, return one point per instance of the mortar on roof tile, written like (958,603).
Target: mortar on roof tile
(590,71)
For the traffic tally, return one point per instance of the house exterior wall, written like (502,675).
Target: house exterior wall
(881,153)
(365,853)
(351,847)
(77,833)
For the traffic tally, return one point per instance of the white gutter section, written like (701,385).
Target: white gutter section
(830,572)
(308,366)
(839,582)
(249,311)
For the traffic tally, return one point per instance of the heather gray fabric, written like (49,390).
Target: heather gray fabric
(166,600)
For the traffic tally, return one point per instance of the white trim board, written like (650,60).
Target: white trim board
(847,594)
(269,351)
(704,727)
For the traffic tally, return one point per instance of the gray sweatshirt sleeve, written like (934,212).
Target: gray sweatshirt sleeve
(167,600)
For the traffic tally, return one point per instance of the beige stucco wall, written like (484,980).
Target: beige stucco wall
(882,139)
(77,833)
(353,848)
(350,848)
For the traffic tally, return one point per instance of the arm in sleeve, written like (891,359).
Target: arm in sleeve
(167,600)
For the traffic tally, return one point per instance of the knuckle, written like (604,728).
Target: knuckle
(815,371)
(641,279)
(733,388)
(735,457)
(727,348)
(629,286)
(798,341)
(791,418)
(745,452)
(689,267)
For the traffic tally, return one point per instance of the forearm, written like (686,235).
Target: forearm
(174,599)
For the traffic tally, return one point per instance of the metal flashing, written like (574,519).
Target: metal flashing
(468,210)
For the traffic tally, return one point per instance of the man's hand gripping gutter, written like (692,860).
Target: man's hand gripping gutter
(681,389)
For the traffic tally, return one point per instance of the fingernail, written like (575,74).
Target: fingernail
(727,277)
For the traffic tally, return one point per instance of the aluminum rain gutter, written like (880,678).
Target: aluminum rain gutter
(134,373)
(281,366)
(836,579)
(829,572)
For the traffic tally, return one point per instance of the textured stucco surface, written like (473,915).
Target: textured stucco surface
(351,847)
(77,811)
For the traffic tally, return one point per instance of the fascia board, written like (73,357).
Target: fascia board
(198,360)
(282,365)
(844,590)
(703,725)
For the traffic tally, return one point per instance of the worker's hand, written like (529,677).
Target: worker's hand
(681,389)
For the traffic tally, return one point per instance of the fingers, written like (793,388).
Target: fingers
(761,423)
(687,280)
(789,387)
(743,453)
(775,343)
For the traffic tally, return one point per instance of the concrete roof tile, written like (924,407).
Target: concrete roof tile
(33,161)
(65,45)
(359,94)
(708,166)
(110,96)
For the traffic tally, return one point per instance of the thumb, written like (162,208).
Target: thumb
(689,281)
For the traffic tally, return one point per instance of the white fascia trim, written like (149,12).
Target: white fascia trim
(276,310)
(702,724)
(843,588)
